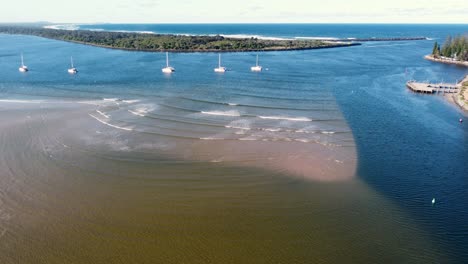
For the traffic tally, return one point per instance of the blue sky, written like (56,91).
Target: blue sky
(235,11)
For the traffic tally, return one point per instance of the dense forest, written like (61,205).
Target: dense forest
(180,43)
(454,47)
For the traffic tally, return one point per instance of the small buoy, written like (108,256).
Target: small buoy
(461,120)
(433,201)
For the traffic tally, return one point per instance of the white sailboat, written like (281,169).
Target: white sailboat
(168,69)
(256,68)
(23,68)
(72,70)
(219,69)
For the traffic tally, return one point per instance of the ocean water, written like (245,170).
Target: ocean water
(325,156)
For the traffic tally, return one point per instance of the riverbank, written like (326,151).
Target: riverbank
(446,60)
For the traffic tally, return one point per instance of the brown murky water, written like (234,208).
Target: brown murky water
(74,190)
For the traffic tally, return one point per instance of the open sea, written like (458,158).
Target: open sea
(323,157)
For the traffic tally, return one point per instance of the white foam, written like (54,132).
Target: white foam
(244,36)
(272,129)
(108,124)
(146,32)
(328,132)
(232,104)
(130,101)
(211,138)
(298,119)
(221,113)
(103,114)
(237,127)
(317,38)
(137,113)
(111,99)
(127,31)
(63,27)
(89,103)
(21,101)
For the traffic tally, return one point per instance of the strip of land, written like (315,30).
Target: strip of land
(172,43)
(446,60)
(183,43)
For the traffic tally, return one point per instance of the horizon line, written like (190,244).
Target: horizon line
(242,23)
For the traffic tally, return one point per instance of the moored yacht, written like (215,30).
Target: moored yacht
(23,68)
(219,68)
(72,70)
(168,69)
(256,68)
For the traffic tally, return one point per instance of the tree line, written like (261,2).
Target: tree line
(163,42)
(453,47)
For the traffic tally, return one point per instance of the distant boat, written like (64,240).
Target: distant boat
(256,68)
(168,69)
(219,69)
(23,68)
(72,70)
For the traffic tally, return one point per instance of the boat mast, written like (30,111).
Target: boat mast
(22,61)
(71,60)
(257,61)
(167,59)
(219,60)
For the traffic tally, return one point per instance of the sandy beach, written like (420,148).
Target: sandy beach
(460,99)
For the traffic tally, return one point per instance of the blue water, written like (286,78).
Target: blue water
(290,30)
(411,147)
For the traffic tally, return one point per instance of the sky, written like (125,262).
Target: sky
(235,11)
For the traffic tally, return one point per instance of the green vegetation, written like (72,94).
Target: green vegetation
(455,48)
(156,42)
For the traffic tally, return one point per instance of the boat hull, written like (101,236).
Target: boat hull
(168,70)
(256,68)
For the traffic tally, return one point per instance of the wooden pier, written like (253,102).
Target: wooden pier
(431,88)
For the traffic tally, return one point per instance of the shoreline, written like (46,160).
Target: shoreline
(455,99)
(341,45)
(462,91)
(460,63)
